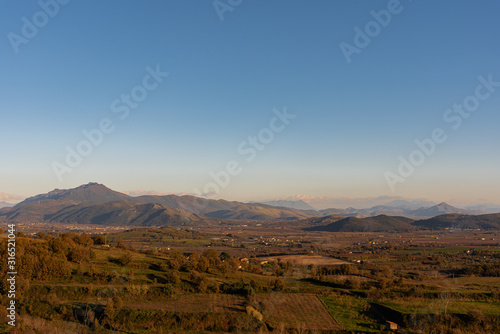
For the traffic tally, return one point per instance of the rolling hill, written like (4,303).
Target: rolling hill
(459,221)
(349,212)
(317,221)
(34,211)
(123,213)
(223,209)
(381,223)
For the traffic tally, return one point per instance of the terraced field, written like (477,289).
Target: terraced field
(298,311)
(289,310)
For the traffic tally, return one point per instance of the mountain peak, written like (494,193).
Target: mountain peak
(436,210)
(446,206)
(90,192)
(92,185)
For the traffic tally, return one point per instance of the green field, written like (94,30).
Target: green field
(352,313)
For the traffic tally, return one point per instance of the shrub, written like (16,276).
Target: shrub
(173,277)
(239,288)
(278,285)
(118,302)
(79,254)
(99,239)
(352,283)
(109,311)
(120,244)
(254,313)
(123,260)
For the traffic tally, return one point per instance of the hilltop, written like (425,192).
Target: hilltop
(459,221)
(381,223)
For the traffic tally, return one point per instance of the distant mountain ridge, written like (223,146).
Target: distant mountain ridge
(384,223)
(297,204)
(459,221)
(486,208)
(381,223)
(94,203)
(44,207)
(394,208)
(326,202)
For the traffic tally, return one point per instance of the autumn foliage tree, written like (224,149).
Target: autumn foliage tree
(99,239)
(212,256)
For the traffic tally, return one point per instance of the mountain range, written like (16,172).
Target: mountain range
(94,203)
(383,223)
(297,204)
(395,208)
(326,202)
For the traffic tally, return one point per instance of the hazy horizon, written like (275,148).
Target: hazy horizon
(318,203)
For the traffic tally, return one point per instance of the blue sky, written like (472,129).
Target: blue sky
(353,120)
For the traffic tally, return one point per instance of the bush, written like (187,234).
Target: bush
(254,313)
(123,260)
(79,254)
(278,285)
(225,256)
(109,311)
(476,316)
(118,302)
(99,239)
(352,283)
(120,244)
(239,288)
(173,277)
(168,290)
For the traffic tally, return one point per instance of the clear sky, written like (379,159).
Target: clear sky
(61,73)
